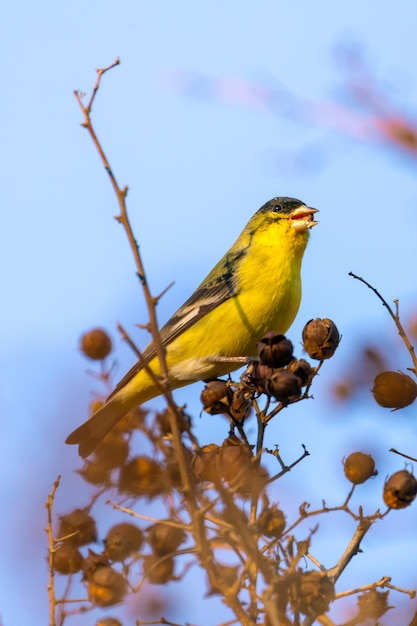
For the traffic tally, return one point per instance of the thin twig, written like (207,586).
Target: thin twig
(406,456)
(352,548)
(147,518)
(151,301)
(395,316)
(51,551)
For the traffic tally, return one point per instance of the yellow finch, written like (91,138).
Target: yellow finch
(254,288)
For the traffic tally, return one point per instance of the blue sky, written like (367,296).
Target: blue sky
(197,169)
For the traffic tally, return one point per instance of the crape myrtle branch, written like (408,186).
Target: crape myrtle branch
(285,468)
(148,518)
(203,548)
(395,316)
(151,301)
(383,583)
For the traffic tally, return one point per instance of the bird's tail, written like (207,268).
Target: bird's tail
(91,433)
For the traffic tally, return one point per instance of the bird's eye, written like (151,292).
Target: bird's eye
(277,207)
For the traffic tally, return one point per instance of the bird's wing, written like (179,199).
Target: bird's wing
(219,286)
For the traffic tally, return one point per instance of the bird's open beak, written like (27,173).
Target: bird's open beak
(303,218)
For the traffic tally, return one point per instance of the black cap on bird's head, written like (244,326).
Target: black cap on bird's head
(281,204)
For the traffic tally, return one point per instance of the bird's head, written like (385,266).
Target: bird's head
(300,214)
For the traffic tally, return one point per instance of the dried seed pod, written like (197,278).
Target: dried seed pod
(78,528)
(400,489)
(311,592)
(235,466)
(158,572)
(275,350)
(105,586)
(257,375)
(94,473)
(204,462)
(235,462)
(163,421)
(112,451)
(394,390)
(122,540)
(142,477)
(216,397)
(320,338)
(373,604)
(164,539)
(283,385)
(271,522)
(228,574)
(67,559)
(92,562)
(302,369)
(358,467)
(96,344)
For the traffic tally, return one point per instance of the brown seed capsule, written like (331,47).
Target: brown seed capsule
(358,467)
(283,385)
(92,562)
(216,397)
(394,390)
(275,350)
(271,522)
(164,539)
(122,540)
(94,473)
(112,451)
(157,571)
(235,466)
(373,604)
(235,462)
(78,528)
(320,338)
(96,344)
(163,421)
(106,587)
(67,559)
(228,574)
(204,462)
(302,369)
(257,375)
(142,476)
(311,592)
(400,489)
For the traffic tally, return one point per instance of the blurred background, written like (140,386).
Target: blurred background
(215,108)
